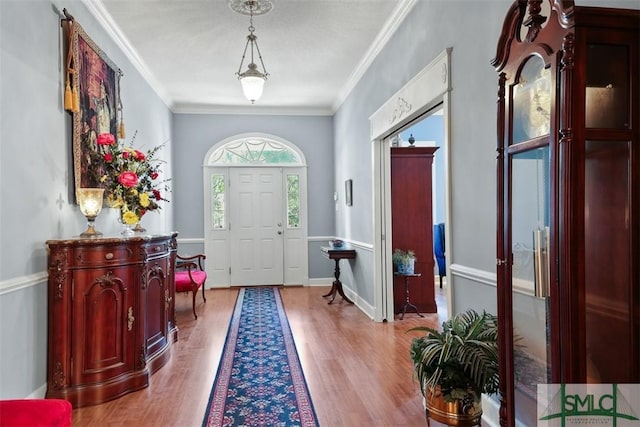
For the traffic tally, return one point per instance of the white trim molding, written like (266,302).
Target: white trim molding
(99,12)
(414,97)
(23,282)
(480,276)
(397,17)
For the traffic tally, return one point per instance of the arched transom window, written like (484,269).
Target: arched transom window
(255,151)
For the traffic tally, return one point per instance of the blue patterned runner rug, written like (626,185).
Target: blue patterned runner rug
(259,381)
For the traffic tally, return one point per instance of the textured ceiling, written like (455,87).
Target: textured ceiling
(190,50)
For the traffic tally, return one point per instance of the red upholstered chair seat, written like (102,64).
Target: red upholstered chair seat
(184,282)
(35,413)
(190,276)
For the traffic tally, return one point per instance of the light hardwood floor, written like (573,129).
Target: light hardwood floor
(358,371)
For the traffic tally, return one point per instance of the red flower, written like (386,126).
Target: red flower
(108,157)
(156,194)
(154,175)
(125,154)
(139,155)
(128,179)
(105,139)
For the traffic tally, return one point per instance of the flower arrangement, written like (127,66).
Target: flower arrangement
(130,178)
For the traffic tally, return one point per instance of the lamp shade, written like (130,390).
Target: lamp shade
(90,201)
(252,87)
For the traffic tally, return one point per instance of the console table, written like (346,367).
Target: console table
(337,254)
(111,315)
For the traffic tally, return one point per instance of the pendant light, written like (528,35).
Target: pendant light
(252,80)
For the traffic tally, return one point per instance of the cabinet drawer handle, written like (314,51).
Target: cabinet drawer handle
(131,319)
(108,255)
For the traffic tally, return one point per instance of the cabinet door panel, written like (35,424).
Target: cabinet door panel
(156,296)
(103,331)
(608,264)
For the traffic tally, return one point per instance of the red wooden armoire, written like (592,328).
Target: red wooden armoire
(412,222)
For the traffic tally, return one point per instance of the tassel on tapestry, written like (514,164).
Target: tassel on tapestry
(71,94)
(121,131)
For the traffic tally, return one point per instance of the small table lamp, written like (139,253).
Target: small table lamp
(90,201)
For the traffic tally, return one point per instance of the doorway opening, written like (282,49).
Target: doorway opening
(429,91)
(255,221)
(418,154)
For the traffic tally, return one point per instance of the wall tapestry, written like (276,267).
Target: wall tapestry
(95,81)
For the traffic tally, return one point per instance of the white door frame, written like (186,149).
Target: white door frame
(295,252)
(429,88)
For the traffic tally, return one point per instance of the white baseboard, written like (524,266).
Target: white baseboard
(323,281)
(39,393)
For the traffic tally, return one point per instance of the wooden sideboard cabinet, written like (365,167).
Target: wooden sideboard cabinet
(111,315)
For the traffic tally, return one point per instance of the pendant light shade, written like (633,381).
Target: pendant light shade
(252,82)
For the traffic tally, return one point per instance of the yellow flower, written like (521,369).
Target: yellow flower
(113,202)
(144,200)
(103,178)
(130,218)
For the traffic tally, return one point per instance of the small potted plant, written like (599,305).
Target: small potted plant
(456,365)
(403,261)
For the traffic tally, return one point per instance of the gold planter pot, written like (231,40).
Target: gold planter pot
(452,413)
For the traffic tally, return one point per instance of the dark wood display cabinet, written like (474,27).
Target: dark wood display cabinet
(111,315)
(568,195)
(412,222)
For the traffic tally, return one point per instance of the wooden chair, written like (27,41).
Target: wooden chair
(190,276)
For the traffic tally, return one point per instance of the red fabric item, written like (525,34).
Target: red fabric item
(35,413)
(183,282)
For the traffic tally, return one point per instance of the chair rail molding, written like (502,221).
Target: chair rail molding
(23,282)
(475,274)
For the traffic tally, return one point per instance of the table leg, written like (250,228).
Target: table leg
(341,292)
(336,287)
(406,301)
(332,291)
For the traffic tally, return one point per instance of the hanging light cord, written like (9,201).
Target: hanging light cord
(251,38)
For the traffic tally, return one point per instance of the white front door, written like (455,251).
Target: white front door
(256,219)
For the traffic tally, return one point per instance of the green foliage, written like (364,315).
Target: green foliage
(402,257)
(462,358)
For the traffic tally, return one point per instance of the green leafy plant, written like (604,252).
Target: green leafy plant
(402,257)
(462,359)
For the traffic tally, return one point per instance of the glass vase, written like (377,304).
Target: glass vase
(127,229)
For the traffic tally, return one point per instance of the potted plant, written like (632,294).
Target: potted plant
(456,365)
(403,261)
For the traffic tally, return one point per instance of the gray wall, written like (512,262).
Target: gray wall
(36,172)
(471,28)
(36,190)
(195,134)
(424,34)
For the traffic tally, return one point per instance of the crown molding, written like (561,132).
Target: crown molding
(99,12)
(393,23)
(104,18)
(186,108)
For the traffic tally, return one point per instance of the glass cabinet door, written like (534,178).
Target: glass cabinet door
(529,212)
(608,206)
(530,276)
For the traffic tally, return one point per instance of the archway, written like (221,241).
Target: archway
(255,202)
